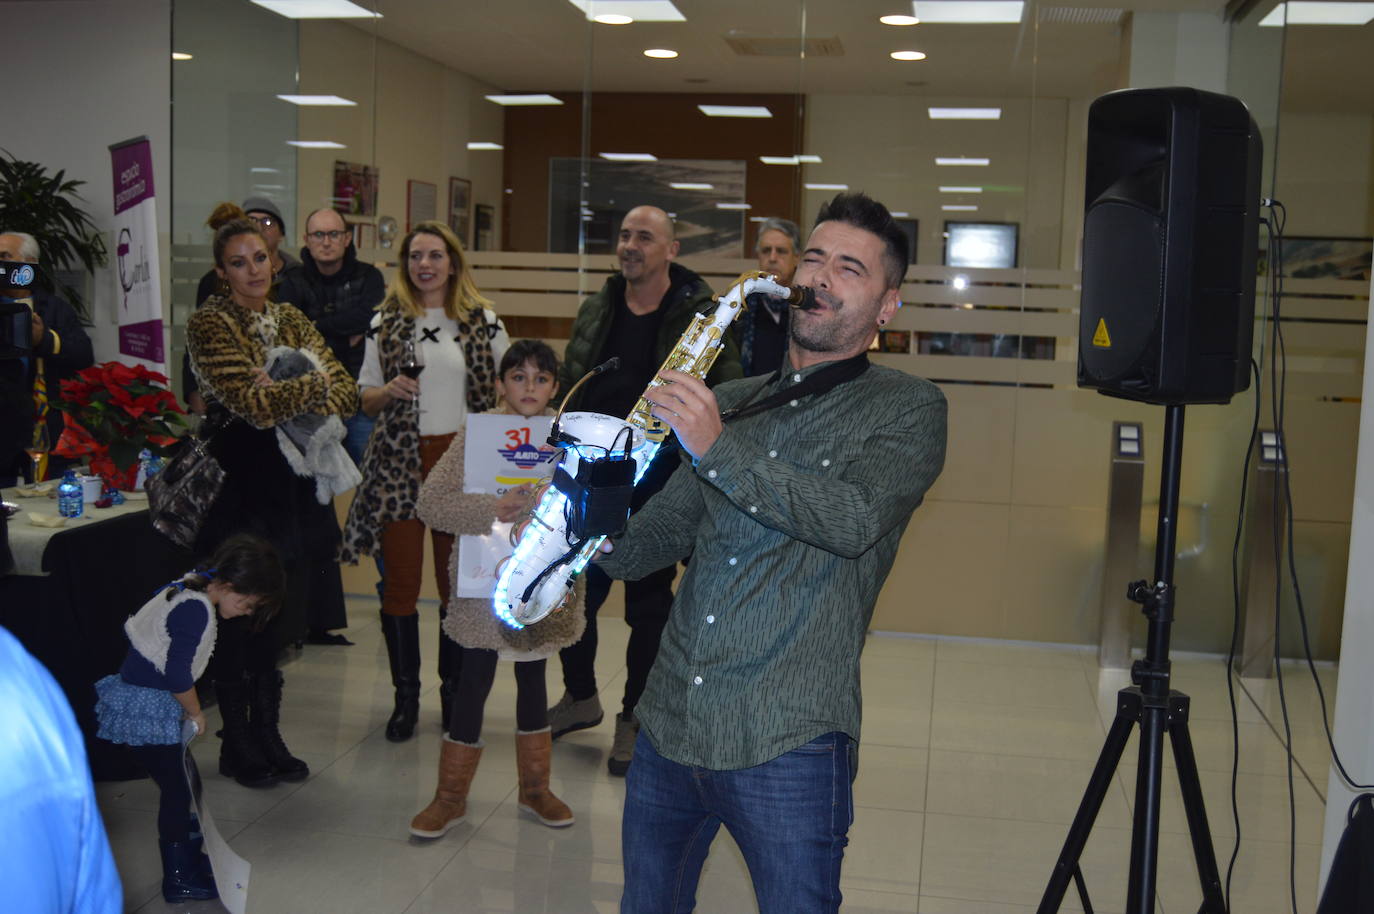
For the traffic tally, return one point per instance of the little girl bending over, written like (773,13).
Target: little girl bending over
(527,381)
(143,706)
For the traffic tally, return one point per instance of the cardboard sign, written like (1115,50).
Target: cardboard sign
(502,452)
(232,872)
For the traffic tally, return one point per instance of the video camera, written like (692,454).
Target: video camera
(16,323)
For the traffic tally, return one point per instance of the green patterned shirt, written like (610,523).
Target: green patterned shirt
(792,519)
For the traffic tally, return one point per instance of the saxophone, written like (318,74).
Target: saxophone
(538,576)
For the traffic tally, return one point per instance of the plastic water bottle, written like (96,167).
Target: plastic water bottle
(69,500)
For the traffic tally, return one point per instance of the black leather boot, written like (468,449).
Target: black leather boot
(403,652)
(450,669)
(267,727)
(240,757)
(183,879)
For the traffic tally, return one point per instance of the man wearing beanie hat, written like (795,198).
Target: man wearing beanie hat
(273,227)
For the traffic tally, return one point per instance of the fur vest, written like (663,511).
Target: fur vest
(147,630)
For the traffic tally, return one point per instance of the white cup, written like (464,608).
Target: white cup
(91,487)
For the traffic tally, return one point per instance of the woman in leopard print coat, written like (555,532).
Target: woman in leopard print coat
(434,309)
(228,339)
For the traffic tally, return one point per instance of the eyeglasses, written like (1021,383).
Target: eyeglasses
(321,236)
(264,221)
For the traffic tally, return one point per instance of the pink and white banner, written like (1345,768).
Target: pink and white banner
(138,289)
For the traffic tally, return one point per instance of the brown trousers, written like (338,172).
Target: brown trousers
(403,546)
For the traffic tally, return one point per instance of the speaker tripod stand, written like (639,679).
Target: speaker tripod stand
(1157,710)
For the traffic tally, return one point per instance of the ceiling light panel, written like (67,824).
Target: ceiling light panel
(180,55)
(629,157)
(826,186)
(315,144)
(908,55)
(529,99)
(965,114)
(959,189)
(961,160)
(959,208)
(317,9)
(1309,13)
(899,20)
(809,159)
(638,10)
(732,206)
(317,100)
(734,111)
(977,12)
(660,53)
(484,145)
(690,185)
(779,160)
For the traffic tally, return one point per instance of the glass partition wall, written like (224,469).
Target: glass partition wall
(532,128)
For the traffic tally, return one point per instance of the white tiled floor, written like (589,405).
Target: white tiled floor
(974,758)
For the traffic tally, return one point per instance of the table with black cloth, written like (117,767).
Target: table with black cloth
(70,612)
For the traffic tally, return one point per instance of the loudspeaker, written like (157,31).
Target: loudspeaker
(1170,235)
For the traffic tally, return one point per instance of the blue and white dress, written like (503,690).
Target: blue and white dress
(170,642)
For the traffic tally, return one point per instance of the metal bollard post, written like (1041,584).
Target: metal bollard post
(1121,551)
(1266,517)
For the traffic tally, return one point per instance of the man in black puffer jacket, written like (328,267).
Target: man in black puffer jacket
(639,315)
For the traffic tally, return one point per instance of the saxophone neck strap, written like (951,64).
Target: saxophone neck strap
(819,382)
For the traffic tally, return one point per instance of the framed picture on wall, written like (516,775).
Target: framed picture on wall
(1325,258)
(364,235)
(484,228)
(421,202)
(460,209)
(355,188)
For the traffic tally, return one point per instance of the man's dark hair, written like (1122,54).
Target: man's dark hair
(522,351)
(862,211)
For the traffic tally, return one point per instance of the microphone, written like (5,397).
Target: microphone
(557,438)
(803,298)
(611,364)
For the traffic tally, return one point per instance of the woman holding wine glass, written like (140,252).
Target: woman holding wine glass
(434,342)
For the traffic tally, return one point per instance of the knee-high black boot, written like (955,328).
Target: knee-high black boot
(267,688)
(240,756)
(403,651)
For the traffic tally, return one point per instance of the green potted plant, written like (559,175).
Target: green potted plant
(43,205)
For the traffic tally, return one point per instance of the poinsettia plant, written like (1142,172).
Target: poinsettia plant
(113,412)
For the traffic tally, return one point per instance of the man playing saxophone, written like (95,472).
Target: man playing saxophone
(638,317)
(793,503)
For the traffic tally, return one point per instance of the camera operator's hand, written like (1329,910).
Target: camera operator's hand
(39,328)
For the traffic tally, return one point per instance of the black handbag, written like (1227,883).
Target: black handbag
(180,496)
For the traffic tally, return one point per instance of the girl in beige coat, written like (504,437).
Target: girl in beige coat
(527,380)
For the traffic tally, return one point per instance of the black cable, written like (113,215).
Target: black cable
(1235,621)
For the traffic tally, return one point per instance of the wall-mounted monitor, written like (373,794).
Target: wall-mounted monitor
(988,245)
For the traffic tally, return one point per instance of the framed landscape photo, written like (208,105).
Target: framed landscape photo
(1327,258)
(460,209)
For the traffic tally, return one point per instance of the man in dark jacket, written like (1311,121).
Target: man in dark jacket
(638,315)
(60,343)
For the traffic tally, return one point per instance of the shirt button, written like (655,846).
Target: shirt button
(710,620)
(772,453)
(696,680)
(733,560)
(753,509)
(711,473)
(825,462)
(796,377)
(794,403)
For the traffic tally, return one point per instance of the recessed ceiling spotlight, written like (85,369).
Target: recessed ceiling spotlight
(180,55)
(533,98)
(961,160)
(660,53)
(899,20)
(613,19)
(908,55)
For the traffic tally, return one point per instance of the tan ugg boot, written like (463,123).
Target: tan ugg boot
(457,765)
(533,757)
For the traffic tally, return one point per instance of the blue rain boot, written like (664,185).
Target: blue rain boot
(182,879)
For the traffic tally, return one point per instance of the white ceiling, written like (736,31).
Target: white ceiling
(549,45)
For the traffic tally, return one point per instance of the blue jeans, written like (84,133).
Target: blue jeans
(789,816)
(358,429)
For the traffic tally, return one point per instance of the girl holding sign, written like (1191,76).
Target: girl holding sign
(528,380)
(144,704)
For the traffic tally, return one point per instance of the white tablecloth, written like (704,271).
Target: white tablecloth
(27,542)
